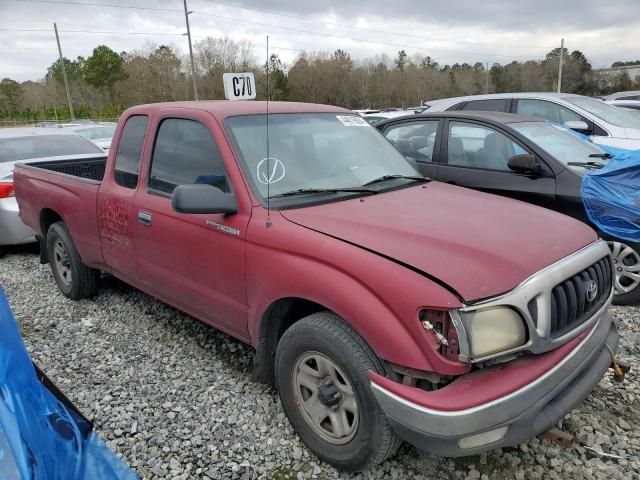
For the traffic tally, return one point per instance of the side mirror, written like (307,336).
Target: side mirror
(525,163)
(576,125)
(200,198)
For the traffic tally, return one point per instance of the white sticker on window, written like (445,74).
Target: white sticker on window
(352,121)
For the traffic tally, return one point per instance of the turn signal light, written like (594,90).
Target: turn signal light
(7,189)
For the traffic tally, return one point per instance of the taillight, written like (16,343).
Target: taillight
(7,190)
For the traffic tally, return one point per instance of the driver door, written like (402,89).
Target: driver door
(476,156)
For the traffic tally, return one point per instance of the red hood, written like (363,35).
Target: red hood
(480,245)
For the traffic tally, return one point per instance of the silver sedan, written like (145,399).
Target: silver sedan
(31,144)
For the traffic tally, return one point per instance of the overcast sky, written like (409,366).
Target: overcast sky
(449,31)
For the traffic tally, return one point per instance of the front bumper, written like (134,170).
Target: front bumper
(512,418)
(12,230)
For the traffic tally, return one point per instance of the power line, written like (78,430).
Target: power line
(101,32)
(92,4)
(332,35)
(328,35)
(386,32)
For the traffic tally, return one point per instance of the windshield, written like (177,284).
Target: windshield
(606,112)
(562,144)
(313,151)
(36,146)
(92,133)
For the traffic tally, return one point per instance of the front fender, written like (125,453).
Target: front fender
(379,298)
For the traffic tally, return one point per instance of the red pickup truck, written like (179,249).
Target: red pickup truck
(382,304)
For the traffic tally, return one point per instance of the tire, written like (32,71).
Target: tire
(74,279)
(365,437)
(626,259)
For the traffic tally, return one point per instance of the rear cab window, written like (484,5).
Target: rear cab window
(127,167)
(488,105)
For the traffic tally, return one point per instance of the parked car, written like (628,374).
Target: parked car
(380,303)
(628,95)
(374,118)
(626,104)
(32,144)
(604,123)
(100,133)
(521,157)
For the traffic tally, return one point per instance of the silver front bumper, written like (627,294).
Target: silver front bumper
(12,230)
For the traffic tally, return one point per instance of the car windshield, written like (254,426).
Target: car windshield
(313,151)
(93,133)
(36,146)
(606,112)
(562,144)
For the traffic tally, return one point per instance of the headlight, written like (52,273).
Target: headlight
(493,330)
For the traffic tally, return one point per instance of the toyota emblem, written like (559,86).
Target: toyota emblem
(592,291)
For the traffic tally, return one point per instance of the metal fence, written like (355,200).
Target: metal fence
(51,122)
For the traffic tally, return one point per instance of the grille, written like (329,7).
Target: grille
(572,304)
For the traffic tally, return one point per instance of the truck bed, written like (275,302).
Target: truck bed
(90,168)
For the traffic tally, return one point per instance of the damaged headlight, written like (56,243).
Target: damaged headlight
(492,330)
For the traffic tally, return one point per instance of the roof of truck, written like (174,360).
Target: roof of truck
(227,108)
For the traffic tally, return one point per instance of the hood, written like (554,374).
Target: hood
(480,245)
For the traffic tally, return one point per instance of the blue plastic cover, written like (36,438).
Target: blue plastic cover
(611,195)
(42,436)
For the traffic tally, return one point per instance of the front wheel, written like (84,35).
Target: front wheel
(74,279)
(321,374)
(626,263)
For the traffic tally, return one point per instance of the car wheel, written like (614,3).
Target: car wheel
(626,263)
(321,375)
(74,279)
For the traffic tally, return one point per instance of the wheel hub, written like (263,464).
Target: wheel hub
(325,398)
(627,267)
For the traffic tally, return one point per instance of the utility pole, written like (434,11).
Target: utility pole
(486,87)
(560,65)
(64,72)
(193,67)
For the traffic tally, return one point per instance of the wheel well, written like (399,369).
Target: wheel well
(47,218)
(275,321)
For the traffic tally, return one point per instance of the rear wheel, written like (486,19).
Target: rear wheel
(74,279)
(321,374)
(626,263)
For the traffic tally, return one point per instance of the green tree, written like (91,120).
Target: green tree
(401,60)
(72,67)
(104,68)
(10,96)
(278,81)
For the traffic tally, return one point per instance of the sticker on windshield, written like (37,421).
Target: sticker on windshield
(270,171)
(352,121)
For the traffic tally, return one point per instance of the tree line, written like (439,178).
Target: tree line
(105,83)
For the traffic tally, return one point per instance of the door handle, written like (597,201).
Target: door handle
(144,218)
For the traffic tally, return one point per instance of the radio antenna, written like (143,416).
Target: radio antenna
(268,224)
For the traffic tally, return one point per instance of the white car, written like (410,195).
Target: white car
(100,133)
(604,123)
(627,104)
(32,144)
(628,95)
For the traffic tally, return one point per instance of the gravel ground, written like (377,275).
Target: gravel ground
(173,397)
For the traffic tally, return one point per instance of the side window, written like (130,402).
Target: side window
(475,146)
(415,140)
(130,150)
(185,153)
(490,105)
(547,110)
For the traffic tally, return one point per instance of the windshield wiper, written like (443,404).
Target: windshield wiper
(601,155)
(384,178)
(592,165)
(305,191)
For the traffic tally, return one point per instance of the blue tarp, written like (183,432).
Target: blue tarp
(42,436)
(611,195)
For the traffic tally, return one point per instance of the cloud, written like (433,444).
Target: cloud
(455,31)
